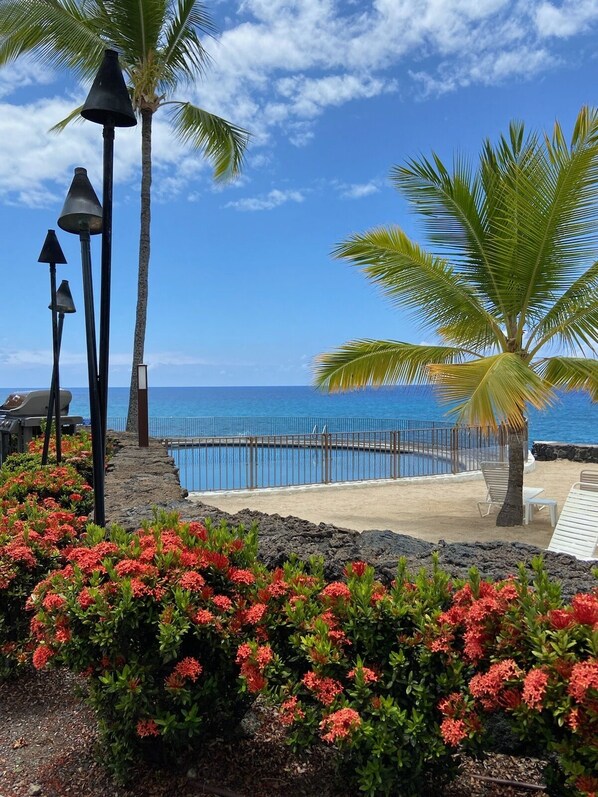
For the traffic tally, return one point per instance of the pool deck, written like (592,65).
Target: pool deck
(429,509)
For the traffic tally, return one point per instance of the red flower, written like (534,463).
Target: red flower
(192,581)
(238,576)
(188,668)
(336,590)
(369,676)
(453,731)
(325,689)
(534,688)
(290,711)
(244,652)
(53,602)
(486,687)
(355,568)
(584,676)
(560,619)
(585,609)
(42,656)
(255,614)
(203,617)
(198,530)
(222,602)
(340,724)
(147,728)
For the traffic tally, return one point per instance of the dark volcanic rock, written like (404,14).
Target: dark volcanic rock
(140,479)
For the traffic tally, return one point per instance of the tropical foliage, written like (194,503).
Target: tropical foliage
(160,51)
(509,287)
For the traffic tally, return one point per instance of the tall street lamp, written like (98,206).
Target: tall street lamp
(52,254)
(62,304)
(82,216)
(108,104)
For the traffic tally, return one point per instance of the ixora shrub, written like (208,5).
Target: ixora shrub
(60,482)
(536,665)
(42,510)
(75,449)
(32,535)
(353,664)
(154,619)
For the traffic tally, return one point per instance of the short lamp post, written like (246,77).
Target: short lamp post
(62,305)
(52,254)
(142,407)
(108,104)
(82,216)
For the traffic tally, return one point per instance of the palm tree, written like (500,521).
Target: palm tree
(160,51)
(512,280)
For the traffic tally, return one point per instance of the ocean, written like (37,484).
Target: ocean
(573,419)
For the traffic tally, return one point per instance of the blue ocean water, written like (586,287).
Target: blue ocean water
(574,418)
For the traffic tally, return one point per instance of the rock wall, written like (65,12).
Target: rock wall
(140,480)
(575,452)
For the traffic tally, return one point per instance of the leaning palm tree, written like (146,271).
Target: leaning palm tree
(159,46)
(510,288)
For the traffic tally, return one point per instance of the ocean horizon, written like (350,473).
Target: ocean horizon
(572,419)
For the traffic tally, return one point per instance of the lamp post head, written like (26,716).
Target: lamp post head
(51,251)
(64,299)
(82,211)
(108,101)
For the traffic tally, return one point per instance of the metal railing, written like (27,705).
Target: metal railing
(226,462)
(245,426)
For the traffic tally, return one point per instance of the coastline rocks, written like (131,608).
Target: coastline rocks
(575,452)
(141,479)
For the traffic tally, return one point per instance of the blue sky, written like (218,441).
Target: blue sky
(243,290)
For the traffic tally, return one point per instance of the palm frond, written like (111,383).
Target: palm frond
(571,373)
(136,27)
(59,33)
(183,54)
(360,363)
(573,319)
(222,143)
(413,278)
(449,203)
(490,390)
(74,116)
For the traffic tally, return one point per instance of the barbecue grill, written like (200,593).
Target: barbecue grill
(22,415)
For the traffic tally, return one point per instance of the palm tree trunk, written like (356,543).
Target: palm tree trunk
(144,258)
(511,513)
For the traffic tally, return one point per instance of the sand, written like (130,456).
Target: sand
(429,509)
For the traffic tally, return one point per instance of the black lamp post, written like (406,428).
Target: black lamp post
(82,216)
(52,254)
(63,303)
(108,104)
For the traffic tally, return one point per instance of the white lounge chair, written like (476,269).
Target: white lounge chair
(589,480)
(576,533)
(496,476)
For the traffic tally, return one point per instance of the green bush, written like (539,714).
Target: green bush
(154,619)
(32,537)
(353,666)
(536,667)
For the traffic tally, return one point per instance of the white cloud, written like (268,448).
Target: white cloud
(573,16)
(279,66)
(359,190)
(24,72)
(269,201)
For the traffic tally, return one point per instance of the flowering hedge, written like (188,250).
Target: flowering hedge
(400,679)
(535,661)
(154,619)
(75,449)
(42,510)
(353,666)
